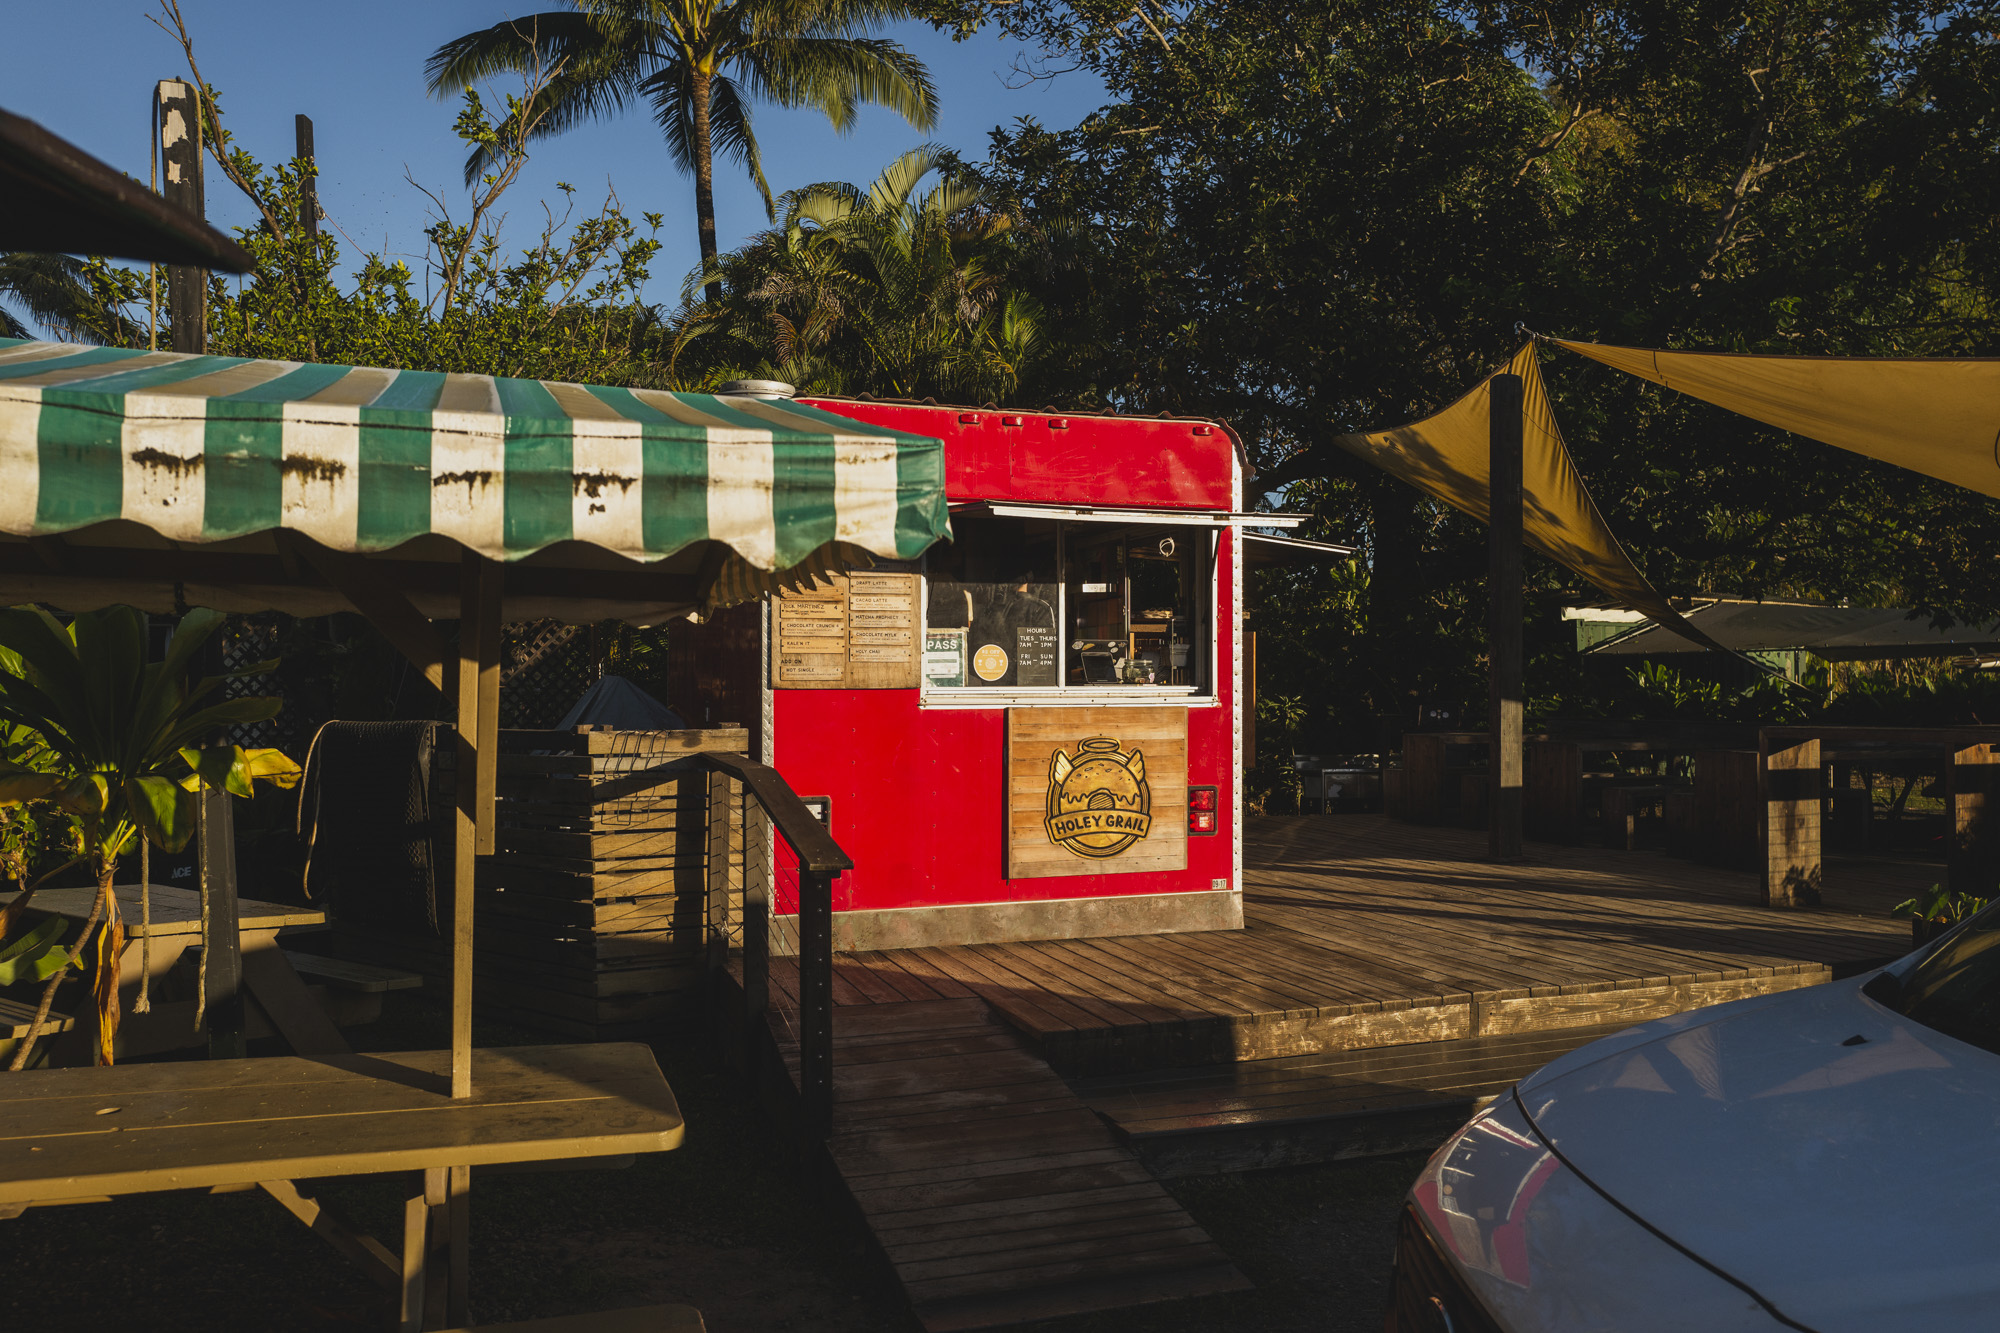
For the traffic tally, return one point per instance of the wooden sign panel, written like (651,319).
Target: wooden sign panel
(854,631)
(1096,791)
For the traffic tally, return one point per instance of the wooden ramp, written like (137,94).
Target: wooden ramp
(998,1195)
(1301,1109)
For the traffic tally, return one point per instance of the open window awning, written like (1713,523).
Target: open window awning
(148,477)
(1193,518)
(1836,633)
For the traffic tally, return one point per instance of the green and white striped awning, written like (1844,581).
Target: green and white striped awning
(205,449)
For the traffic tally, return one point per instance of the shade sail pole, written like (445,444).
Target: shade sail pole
(1503,623)
(474,779)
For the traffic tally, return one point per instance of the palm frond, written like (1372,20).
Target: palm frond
(891,190)
(55,292)
(835,75)
(517,46)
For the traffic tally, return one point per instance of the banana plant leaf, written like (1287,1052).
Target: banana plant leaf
(35,955)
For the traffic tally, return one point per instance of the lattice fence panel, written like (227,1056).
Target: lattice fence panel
(244,642)
(545,666)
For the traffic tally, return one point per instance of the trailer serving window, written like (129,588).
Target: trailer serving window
(1052,606)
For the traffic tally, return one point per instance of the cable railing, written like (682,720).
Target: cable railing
(770,870)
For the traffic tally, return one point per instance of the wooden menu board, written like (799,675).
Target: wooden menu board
(1096,791)
(854,631)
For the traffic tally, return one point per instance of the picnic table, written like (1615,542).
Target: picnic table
(269,978)
(92,1135)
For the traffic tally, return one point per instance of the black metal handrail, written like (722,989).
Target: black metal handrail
(820,861)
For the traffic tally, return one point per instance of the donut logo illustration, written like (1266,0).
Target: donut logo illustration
(1099,803)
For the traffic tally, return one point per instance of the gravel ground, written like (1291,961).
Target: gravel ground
(721,1224)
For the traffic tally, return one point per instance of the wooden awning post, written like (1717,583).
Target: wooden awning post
(1503,622)
(478,754)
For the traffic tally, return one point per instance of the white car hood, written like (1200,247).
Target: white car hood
(1850,1185)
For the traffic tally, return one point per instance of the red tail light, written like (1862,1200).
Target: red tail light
(1202,811)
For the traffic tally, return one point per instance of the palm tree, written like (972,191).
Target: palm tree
(940,314)
(697,64)
(887,289)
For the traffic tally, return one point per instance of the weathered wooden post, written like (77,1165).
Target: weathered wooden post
(474,778)
(177,119)
(1503,621)
(1974,784)
(1789,780)
(302,127)
(1553,799)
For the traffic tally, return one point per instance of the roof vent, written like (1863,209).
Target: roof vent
(757,389)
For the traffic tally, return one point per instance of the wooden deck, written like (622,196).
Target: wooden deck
(995,1193)
(1386,980)
(1362,932)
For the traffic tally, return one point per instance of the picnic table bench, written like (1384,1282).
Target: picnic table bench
(306,1016)
(94,1134)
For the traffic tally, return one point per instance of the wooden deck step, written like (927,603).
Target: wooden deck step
(1360,932)
(340,974)
(1297,1110)
(645,1319)
(992,1189)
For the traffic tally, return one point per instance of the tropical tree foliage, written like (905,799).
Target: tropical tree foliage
(1310,220)
(891,289)
(697,66)
(130,745)
(81,300)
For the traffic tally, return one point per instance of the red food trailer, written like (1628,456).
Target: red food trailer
(1037,730)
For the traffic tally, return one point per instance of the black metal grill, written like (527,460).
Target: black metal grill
(1426,1294)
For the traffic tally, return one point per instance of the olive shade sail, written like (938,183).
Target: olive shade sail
(1448,456)
(731,494)
(1934,416)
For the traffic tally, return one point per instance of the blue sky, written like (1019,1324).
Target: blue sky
(356,68)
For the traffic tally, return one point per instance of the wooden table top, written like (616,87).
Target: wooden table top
(130,1129)
(176,911)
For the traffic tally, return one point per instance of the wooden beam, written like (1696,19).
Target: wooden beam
(164,566)
(416,1219)
(364,1251)
(1503,620)
(377,597)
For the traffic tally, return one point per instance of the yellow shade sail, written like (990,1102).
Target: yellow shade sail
(1937,417)
(1448,456)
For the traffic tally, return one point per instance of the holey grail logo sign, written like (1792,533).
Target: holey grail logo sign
(1098,803)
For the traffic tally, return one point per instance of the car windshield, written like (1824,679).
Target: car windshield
(1957,989)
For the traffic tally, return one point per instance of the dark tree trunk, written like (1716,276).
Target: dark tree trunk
(704,180)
